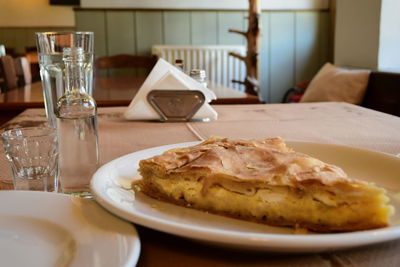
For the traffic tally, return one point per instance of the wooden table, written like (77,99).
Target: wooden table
(334,123)
(111,91)
(108,91)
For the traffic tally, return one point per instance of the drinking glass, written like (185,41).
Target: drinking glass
(50,47)
(33,156)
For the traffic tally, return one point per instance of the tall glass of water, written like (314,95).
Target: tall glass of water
(50,47)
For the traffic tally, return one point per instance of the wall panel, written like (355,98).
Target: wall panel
(203,30)
(230,20)
(306,45)
(18,38)
(325,38)
(177,27)
(264,64)
(31,37)
(120,30)
(149,30)
(94,21)
(282,51)
(9,37)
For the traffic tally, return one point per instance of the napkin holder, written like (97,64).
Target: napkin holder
(176,105)
(165,76)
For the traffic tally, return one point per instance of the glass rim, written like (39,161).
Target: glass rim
(64,33)
(20,133)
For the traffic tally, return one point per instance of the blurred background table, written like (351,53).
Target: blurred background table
(334,123)
(108,91)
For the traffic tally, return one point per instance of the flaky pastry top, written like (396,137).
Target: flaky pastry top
(267,161)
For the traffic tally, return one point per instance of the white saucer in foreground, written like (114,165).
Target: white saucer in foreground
(49,229)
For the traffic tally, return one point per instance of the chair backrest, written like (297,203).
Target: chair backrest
(125,61)
(32,57)
(8,71)
(23,70)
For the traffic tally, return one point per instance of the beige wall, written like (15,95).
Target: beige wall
(357,33)
(34,13)
(389,56)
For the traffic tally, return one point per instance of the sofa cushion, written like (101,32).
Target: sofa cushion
(332,83)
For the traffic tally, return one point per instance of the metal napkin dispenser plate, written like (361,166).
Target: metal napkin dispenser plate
(176,105)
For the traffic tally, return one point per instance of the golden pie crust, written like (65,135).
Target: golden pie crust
(264,181)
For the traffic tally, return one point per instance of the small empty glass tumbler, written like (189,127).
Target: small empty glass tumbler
(33,156)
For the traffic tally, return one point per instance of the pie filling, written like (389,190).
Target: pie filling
(317,207)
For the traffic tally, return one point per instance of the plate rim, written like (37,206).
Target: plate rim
(132,257)
(267,242)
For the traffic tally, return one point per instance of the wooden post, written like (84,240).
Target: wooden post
(253,47)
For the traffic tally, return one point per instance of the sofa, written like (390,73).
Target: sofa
(376,90)
(383,92)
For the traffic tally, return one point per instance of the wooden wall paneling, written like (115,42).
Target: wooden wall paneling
(294,44)
(1,36)
(282,57)
(3,40)
(67,29)
(245,25)
(306,45)
(149,31)
(94,21)
(120,32)
(264,75)
(9,38)
(325,36)
(120,29)
(203,28)
(177,27)
(230,20)
(20,40)
(31,36)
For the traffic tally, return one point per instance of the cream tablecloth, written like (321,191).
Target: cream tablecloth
(336,123)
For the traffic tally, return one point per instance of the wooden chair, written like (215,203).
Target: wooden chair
(23,71)
(142,64)
(32,56)
(8,71)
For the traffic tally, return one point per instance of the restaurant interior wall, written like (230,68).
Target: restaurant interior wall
(370,41)
(295,43)
(19,20)
(35,13)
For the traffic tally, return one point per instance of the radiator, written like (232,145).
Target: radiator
(214,59)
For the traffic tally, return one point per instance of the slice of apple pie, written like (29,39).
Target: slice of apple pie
(264,181)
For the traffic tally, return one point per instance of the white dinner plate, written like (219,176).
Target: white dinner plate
(48,229)
(111,185)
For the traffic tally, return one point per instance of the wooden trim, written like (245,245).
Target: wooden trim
(36,27)
(20,106)
(114,103)
(197,10)
(240,5)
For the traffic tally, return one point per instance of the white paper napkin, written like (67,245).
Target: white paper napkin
(165,76)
